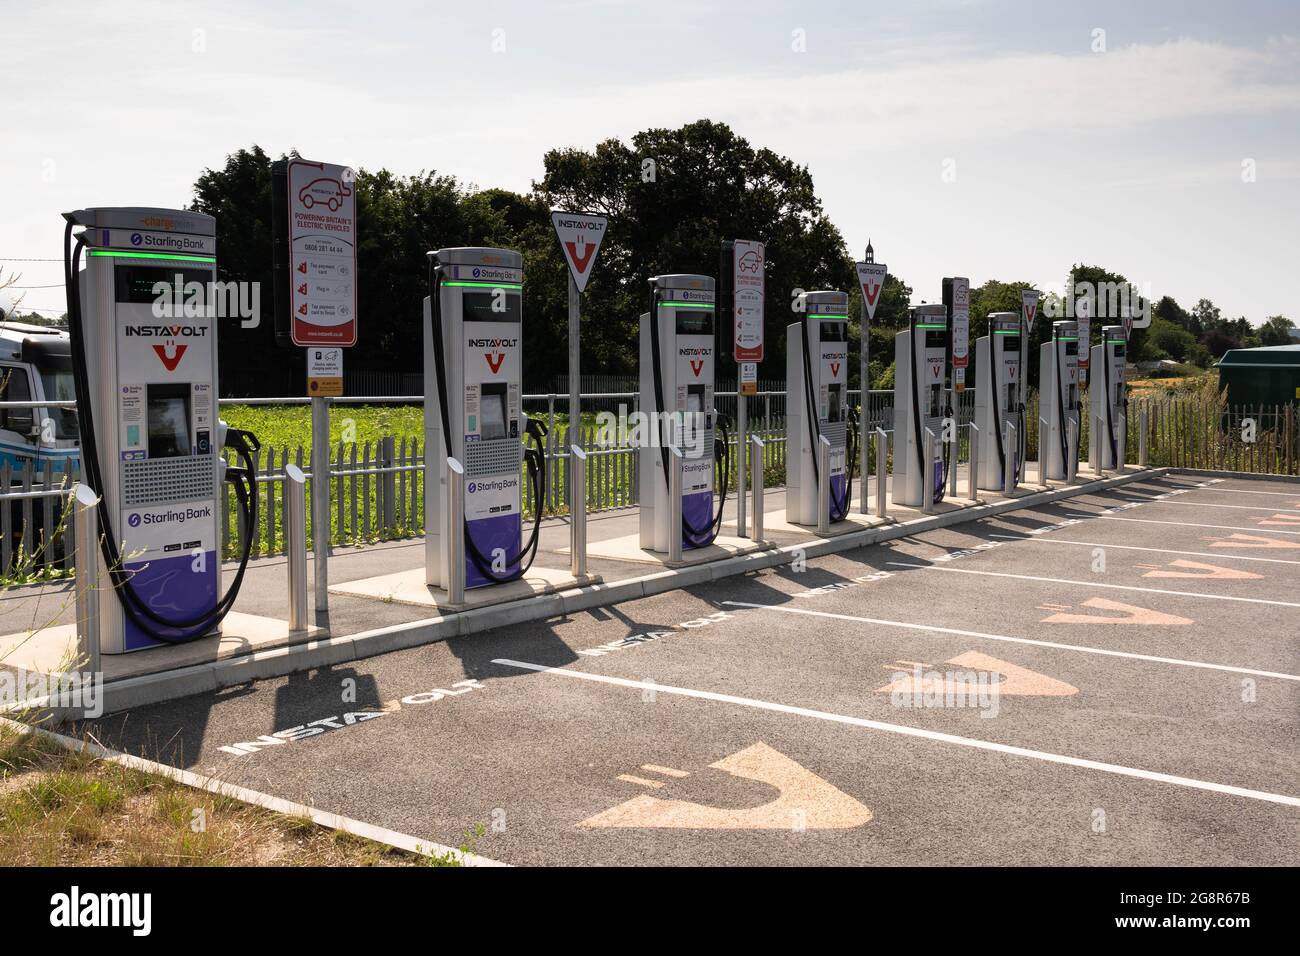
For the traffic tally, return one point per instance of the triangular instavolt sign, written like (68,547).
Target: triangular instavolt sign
(580,234)
(871,276)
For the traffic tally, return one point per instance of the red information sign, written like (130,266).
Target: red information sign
(323,256)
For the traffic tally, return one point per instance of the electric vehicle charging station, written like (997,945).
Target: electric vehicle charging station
(1000,402)
(678,351)
(145,374)
(473,386)
(817,377)
(922,364)
(1108,396)
(1058,391)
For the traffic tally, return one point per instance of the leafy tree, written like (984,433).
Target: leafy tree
(673,196)
(1276,331)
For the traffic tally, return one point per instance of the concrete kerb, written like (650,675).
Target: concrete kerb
(333,821)
(167,685)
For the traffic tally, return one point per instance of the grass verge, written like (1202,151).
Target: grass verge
(61,808)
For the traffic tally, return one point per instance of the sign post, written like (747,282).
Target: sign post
(579,235)
(871,281)
(748,288)
(956,296)
(322,318)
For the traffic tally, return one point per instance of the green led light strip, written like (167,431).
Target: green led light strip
(826,315)
(1067,338)
(1006,331)
(151,255)
(488,285)
(689,305)
(931,325)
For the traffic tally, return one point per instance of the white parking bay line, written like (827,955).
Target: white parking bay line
(1211,504)
(1181,524)
(917,732)
(1006,638)
(1134,547)
(1092,584)
(1247,491)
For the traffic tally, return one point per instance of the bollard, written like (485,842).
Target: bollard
(1094,445)
(1100,470)
(577,512)
(295,544)
(1071,449)
(1042,452)
(1121,456)
(675,504)
(972,479)
(927,472)
(756,479)
(955,459)
(882,486)
(86,532)
(455,532)
(1142,437)
(823,485)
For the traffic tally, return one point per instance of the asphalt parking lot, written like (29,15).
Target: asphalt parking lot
(1109,679)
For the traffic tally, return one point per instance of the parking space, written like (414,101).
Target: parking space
(1110,679)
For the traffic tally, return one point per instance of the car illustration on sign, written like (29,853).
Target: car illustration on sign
(751,262)
(325,191)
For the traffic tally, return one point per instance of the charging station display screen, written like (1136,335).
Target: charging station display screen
(1071,348)
(936,339)
(833,332)
(134,285)
(490,307)
(493,411)
(1011,343)
(695,398)
(1119,349)
(836,410)
(168,409)
(694,322)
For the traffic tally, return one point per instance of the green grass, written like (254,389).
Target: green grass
(64,808)
(288,426)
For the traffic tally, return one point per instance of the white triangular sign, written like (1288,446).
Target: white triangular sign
(580,234)
(1029,308)
(871,277)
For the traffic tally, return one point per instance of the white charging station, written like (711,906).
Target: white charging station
(473,387)
(1108,394)
(1000,401)
(144,337)
(1058,396)
(678,349)
(817,382)
(922,364)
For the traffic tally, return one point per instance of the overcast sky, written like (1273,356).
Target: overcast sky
(987,138)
